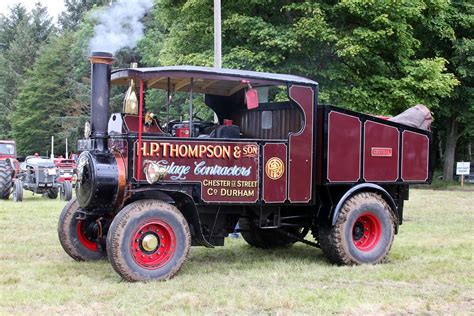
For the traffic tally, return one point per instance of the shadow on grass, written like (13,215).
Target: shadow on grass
(242,254)
(236,256)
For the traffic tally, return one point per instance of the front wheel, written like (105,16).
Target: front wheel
(77,237)
(66,191)
(363,232)
(18,191)
(148,240)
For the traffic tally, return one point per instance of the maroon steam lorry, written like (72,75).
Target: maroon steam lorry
(275,161)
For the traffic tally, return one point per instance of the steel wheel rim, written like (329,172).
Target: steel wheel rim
(142,245)
(83,238)
(366,232)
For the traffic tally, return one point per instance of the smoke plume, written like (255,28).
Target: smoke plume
(119,25)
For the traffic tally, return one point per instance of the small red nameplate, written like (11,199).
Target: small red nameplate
(381,152)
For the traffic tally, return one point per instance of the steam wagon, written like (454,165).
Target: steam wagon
(274,160)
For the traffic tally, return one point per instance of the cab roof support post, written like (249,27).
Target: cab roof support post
(140,131)
(168,101)
(191,108)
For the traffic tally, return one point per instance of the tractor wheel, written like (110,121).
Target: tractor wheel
(52,193)
(66,191)
(363,232)
(5,180)
(149,240)
(18,191)
(75,235)
(265,238)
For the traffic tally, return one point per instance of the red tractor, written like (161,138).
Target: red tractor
(276,161)
(9,167)
(66,168)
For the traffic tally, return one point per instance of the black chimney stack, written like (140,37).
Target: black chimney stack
(101,65)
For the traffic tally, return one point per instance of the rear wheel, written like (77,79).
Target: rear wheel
(66,191)
(5,180)
(363,232)
(266,238)
(18,191)
(148,240)
(77,237)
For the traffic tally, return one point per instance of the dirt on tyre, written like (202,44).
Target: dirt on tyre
(75,235)
(5,180)
(267,239)
(149,240)
(363,233)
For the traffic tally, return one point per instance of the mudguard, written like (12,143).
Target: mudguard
(370,187)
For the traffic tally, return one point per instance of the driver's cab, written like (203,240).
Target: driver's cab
(206,103)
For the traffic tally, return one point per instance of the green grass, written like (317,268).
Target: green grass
(430,270)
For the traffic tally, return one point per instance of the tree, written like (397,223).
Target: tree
(21,35)
(45,99)
(374,56)
(75,11)
(9,23)
(364,55)
(447,31)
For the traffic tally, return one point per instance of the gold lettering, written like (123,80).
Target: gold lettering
(165,149)
(154,149)
(144,149)
(193,151)
(183,150)
(174,151)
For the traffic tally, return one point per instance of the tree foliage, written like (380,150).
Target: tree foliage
(21,36)
(45,101)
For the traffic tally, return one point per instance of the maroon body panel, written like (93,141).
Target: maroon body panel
(300,169)
(381,152)
(415,156)
(227,171)
(343,148)
(274,175)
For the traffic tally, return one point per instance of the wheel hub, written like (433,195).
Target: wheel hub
(153,244)
(366,231)
(150,242)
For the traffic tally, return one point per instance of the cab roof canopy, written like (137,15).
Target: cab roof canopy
(215,81)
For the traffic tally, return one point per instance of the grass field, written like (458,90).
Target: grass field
(430,270)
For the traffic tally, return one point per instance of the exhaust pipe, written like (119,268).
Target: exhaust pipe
(101,66)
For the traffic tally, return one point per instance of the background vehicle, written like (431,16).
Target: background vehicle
(9,167)
(66,168)
(149,189)
(39,175)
